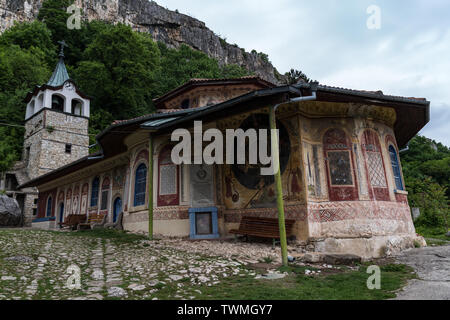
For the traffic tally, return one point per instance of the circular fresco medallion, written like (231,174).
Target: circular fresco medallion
(250,175)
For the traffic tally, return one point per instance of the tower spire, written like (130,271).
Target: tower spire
(62,44)
(60,74)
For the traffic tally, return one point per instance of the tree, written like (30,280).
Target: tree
(294,76)
(233,71)
(54,14)
(179,66)
(31,35)
(20,71)
(427,158)
(430,197)
(119,82)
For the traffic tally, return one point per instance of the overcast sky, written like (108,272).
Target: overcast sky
(329,41)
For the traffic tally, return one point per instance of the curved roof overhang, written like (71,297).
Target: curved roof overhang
(412,115)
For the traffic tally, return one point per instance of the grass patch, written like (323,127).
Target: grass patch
(436,242)
(434,233)
(296,269)
(350,285)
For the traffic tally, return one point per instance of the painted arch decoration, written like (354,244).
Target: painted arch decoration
(375,168)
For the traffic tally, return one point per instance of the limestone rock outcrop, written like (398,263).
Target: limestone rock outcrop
(169,27)
(10,213)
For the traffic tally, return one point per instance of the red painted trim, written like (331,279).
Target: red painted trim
(61,196)
(85,189)
(390,139)
(42,203)
(370,137)
(106,183)
(142,155)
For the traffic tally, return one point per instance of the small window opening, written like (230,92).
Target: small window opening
(185,104)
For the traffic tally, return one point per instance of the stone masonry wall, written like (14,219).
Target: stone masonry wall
(47,134)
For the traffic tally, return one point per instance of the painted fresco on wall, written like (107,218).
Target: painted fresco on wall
(68,204)
(249,175)
(340,168)
(119,178)
(339,162)
(376,173)
(76,200)
(61,197)
(84,197)
(244,186)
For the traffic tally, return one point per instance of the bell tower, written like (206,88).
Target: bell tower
(56,123)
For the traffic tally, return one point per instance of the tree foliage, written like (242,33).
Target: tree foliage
(20,70)
(294,76)
(119,82)
(426,168)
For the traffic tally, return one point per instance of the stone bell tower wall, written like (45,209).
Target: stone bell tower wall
(48,136)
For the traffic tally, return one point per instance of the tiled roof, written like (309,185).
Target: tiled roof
(364,92)
(219,81)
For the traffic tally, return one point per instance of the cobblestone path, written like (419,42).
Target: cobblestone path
(43,265)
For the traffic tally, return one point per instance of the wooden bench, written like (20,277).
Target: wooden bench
(263,228)
(93,218)
(73,220)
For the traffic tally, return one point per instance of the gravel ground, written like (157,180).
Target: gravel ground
(432,265)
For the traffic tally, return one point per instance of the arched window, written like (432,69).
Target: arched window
(40,101)
(140,184)
(105,194)
(48,213)
(396,168)
(30,109)
(77,108)
(185,104)
(94,192)
(57,103)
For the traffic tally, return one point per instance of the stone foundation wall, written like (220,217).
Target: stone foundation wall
(367,248)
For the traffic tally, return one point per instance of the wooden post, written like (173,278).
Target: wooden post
(150,187)
(278,185)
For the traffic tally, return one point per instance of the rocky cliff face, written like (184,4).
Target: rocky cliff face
(167,26)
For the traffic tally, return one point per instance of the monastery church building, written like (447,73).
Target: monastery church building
(342,181)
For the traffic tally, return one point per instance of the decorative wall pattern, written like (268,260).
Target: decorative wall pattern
(295,212)
(339,211)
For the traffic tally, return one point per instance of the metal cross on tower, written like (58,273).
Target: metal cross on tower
(63,44)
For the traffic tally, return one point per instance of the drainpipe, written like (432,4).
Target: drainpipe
(405,149)
(276,160)
(150,187)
